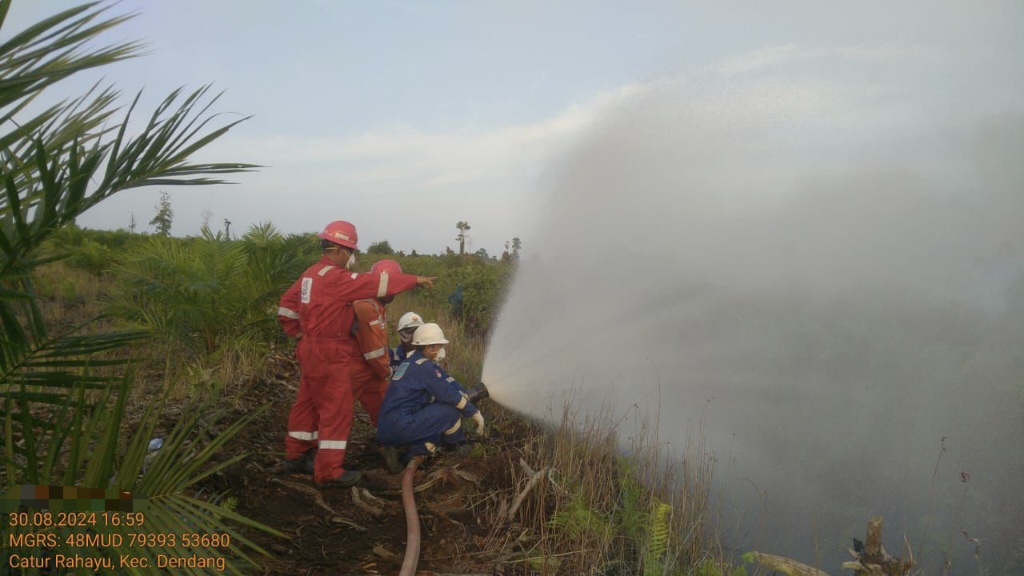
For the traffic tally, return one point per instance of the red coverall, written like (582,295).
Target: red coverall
(371,366)
(319,307)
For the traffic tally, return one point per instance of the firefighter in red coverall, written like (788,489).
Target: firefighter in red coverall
(371,368)
(317,309)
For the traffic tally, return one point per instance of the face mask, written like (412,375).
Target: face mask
(440,355)
(406,336)
(351,262)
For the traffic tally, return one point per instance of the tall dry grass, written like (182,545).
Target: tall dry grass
(599,505)
(68,295)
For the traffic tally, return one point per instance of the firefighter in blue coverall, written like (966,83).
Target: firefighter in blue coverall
(407,326)
(423,407)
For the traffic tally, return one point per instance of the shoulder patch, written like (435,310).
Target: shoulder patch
(400,371)
(438,372)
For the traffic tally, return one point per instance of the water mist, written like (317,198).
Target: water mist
(823,278)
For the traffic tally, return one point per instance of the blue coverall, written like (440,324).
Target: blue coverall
(396,356)
(422,408)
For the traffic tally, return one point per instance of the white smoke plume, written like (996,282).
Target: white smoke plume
(828,272)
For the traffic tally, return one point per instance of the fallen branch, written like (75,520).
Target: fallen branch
(526,467)
(434,478)
(870,558)
(376,512)
(787,566)
(317,496)
(319,499)
(468,476)
(384,552)
(537,476)
(347,522)
(370,498)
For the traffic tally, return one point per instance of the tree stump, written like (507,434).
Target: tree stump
(869,556)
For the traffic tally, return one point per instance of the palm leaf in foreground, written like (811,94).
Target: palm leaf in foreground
(63,396)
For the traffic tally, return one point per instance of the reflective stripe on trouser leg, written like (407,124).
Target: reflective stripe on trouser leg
(421,449)
(302,423)
(454,428)
(334,405)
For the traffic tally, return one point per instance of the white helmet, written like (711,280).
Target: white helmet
(409,320)
(428,334)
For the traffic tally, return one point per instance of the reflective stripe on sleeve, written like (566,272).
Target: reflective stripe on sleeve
(300,435)
(287,313)
(421,361)
(382,290)
(374,322)
(449,379)
(333,444)
(462,403)
(325,270)
(375,353)
(355,275)
(455,428)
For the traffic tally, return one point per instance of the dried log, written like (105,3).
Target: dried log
(787,566)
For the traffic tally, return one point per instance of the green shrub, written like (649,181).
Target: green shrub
(93,250)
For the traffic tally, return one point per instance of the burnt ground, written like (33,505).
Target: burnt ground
(462,506)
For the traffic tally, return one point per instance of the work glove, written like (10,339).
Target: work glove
(479,419)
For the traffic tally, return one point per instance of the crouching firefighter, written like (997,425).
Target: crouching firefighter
(317,310)
(407,326)
(423,407)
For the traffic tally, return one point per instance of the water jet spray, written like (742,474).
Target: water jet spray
(784,273)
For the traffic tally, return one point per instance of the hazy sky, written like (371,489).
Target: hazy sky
(406,117)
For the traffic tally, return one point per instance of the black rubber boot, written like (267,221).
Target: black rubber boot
(390,455)
(301,465)
(348,478)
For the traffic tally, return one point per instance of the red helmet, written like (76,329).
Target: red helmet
(341,233)
(389,266)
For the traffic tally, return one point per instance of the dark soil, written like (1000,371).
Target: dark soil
(462,514)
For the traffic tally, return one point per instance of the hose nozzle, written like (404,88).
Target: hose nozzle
(478,392)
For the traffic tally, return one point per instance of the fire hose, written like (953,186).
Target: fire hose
(412,517)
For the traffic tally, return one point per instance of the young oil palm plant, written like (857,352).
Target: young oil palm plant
(208,299)
(62,395)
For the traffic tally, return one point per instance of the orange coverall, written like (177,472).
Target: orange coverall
(371,367)
(319,307)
